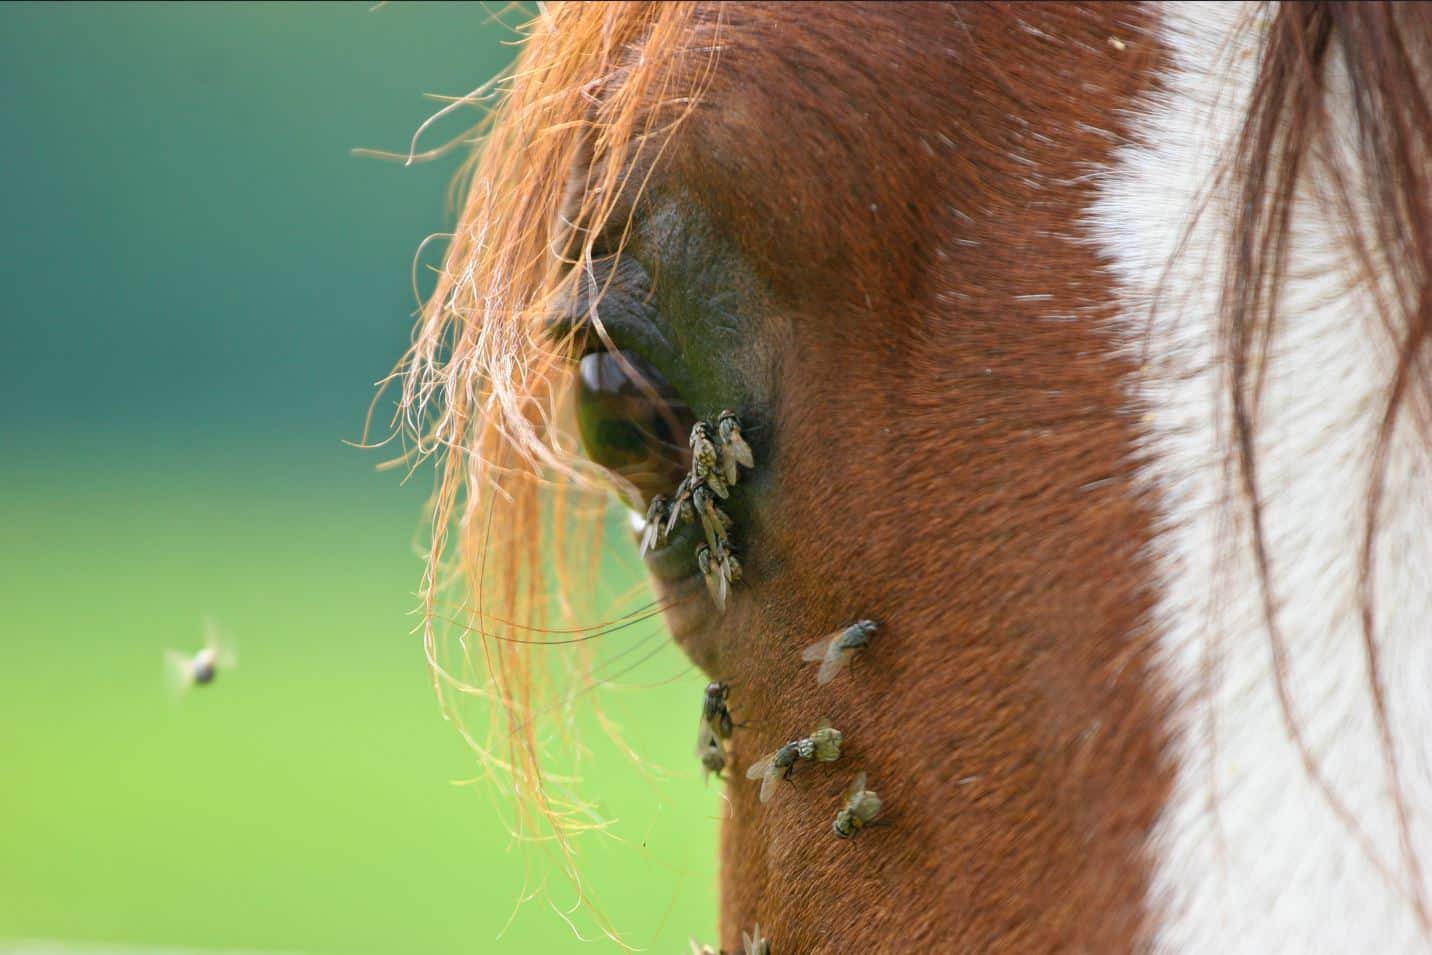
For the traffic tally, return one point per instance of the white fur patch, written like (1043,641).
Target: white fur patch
(1249,855)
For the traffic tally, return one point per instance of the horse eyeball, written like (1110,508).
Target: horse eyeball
(632,422)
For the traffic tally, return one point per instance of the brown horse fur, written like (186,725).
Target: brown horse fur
(946,443)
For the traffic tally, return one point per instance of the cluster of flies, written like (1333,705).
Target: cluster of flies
(821,745)
(718,452)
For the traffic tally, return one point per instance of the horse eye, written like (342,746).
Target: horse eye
(632,422)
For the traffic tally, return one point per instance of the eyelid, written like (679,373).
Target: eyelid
(628,316)
(578,336)
(573,321)
(574,333)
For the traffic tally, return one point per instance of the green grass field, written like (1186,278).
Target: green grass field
(202,283)
(304,802)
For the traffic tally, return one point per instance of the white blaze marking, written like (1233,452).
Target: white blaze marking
(1249,855)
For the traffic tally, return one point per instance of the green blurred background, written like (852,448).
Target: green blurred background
(201,286)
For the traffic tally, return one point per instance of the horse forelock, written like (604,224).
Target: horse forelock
(484,391)
(976,341)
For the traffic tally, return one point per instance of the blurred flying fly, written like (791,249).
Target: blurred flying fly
(185,670)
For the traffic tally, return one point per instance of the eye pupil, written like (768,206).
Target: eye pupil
(632,422)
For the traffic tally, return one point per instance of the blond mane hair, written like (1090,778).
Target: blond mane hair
(485,386)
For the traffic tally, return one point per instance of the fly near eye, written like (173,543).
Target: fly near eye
(632,422)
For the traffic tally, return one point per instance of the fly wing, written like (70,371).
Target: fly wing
(753,944)
(735,444)
(716,481)
(866,805)
(651,523)
(728,464)
(817,650)
(768,785)
(226,654)
(740,450)
(835,659)
(716,586)
(761,767)
(711,525)
(705,737)
(673,515)
(649,535)
(177,673)
(856,787)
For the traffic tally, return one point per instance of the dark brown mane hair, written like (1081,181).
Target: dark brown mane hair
(1380,53)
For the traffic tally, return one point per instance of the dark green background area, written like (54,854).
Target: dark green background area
(201,286)
(191,253)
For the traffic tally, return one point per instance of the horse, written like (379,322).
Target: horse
(1082,347)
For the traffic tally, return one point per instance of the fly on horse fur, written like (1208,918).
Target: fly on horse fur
(861,807)
(715,729)
(821,746)
(1098,333)
(834,650)
(735,453)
